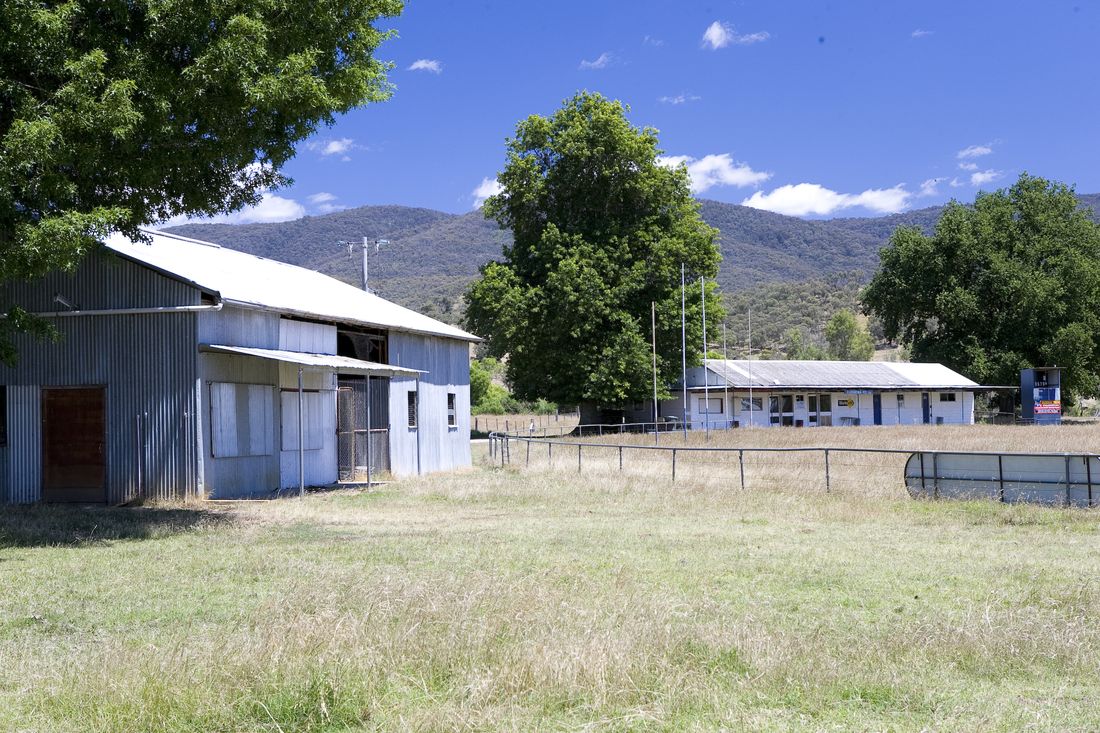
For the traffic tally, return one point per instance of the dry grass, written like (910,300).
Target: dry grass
(491,600)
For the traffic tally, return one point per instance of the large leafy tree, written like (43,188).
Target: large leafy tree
(600,229)
(1012,282)
(119,113)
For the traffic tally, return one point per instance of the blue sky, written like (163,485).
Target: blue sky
(814,109)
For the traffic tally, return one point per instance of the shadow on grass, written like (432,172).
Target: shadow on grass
(76,526)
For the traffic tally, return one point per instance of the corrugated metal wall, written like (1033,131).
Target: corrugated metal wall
(146,362)
(23,474)
(447,362)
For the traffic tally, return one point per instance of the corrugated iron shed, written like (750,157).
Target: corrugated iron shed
(776,374)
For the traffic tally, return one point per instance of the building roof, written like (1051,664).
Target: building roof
(833,375)
(316,361)
(255,282)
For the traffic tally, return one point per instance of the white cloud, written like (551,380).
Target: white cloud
(956,183)
(430,65)
(719,35)
(336,146)
(651,41)
(930,187)
(271,208)
(811,198)
(321,198)
(606,59)
(918,33)
(679,99)
(715,170)
(968,166)
(329,208)
(488,187)
(979,178)
(974,151)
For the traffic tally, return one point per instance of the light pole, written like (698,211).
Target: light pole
(367,242)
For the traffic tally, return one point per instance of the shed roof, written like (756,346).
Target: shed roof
(777,374)
(316,361)
(247,280)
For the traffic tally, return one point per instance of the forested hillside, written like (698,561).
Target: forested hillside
(793,272)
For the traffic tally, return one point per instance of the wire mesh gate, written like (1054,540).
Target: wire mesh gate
(363,440)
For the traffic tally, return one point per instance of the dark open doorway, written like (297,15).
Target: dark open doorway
(74,435)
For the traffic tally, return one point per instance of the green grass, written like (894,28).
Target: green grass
(495,600)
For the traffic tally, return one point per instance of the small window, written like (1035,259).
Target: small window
(799,399)
(788,403)
(3,415)
(826,403)
(947,396)
(412,409)
(452,410)
(757,404)
(773,404)
(901,399)
(714,408)
(813,404)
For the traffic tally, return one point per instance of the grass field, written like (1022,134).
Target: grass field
(493,599)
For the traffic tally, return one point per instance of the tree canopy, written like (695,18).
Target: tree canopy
(114,115)
(848,339)
(1012,282)
(600,229)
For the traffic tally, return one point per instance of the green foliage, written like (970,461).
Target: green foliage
(797,347)
(1012,282)
(481,377)
(599,232)
(849,339)
(116,115)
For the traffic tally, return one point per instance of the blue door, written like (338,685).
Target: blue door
(878,408)
(926,407)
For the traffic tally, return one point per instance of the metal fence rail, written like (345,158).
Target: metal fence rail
(1048,478)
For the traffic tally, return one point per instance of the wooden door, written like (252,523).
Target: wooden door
(74,434)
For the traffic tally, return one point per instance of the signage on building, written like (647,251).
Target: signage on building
(845,403)
(1048,401)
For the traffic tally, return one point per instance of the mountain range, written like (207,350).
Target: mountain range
(432,256)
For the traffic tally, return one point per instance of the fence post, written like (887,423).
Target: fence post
(549,455)
(579,445)
(1069,499)
(528,452)
(620,458)
(935,476)
(1088,476)
(1001,475)
(673,464)
(828,484)
(741,464)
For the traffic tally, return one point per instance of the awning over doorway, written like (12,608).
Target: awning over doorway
(343,364)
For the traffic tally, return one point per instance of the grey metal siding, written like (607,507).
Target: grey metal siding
(239,327)
(447,363)
(146,362)
(24,452)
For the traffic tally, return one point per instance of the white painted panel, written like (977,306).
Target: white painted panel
(223,419)
(310,338)
(261,408)
(312,419)
(320,461)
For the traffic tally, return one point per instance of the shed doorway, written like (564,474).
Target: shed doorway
(74,436)
(353,398)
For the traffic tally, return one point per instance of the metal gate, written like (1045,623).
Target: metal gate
(358,397)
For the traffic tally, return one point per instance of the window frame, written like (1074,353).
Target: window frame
(452,410)
(413,401)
